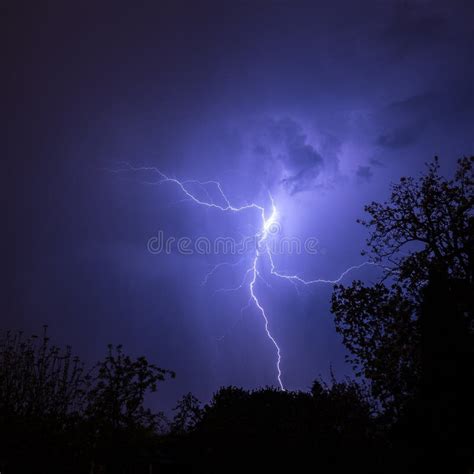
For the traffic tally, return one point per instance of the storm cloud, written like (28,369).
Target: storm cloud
(364,173)
(284,151)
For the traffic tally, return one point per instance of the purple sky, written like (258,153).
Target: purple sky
(322,103)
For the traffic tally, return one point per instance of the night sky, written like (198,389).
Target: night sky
(322,104)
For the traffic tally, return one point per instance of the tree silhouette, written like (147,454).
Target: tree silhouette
(42,396)
(116,398)
(38,379)
(119,423)
(411,334)
(427,224)
(58,416)
(188,414)
(239,428)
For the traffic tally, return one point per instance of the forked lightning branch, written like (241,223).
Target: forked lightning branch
(260,253)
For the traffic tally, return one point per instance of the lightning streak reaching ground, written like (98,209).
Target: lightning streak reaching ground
(262,248)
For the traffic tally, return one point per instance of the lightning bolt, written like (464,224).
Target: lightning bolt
(262,248)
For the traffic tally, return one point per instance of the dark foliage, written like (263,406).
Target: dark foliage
(56,416)
(270,427)
(411,334)
(92,421)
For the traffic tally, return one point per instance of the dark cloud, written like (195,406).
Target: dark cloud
(302,181)
(304,164)
(364,173)
(376,163)
(400,137)
(403,122)
(411,121)
(417,105)
(290,158)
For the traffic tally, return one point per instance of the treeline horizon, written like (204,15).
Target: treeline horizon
(410,343)
(52,392)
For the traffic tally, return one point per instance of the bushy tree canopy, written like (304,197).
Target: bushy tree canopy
(426,227)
